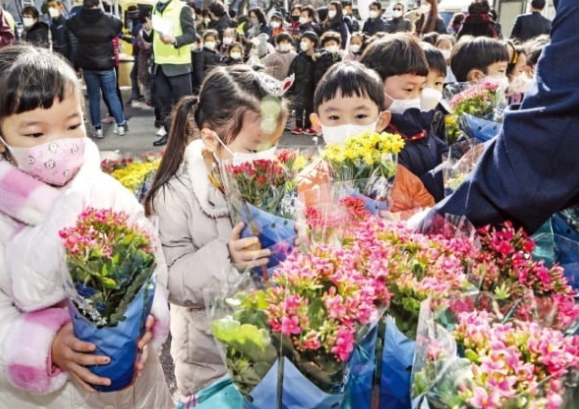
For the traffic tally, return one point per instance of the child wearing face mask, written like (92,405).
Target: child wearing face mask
(49,172)
(200,244)
(235,55)
(276,23)
(230,36)
(350,100)
(35,32)
(445,43)
(329,55)
(474,59)
(302,67)
(403,68)
(432,92)
(277,64)
(207,57)
(356,48)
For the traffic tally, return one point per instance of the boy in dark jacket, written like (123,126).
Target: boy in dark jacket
(402,65)
(63,42)
(35,31)
(303,68)
(330,44)
(208,57)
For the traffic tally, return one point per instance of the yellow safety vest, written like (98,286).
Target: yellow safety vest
(167,53)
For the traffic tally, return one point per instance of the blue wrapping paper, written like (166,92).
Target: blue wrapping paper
(362,368)
(397,360)
(298,391)
(481,129)
(275,233)
(118,343)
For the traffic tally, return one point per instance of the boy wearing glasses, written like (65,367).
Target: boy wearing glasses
(398,24)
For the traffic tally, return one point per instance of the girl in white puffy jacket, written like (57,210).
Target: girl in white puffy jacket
(49,172)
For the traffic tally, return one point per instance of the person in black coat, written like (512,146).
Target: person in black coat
(528,26)
(308,21)
(303,88)
(95,31)
(397,24)
(220,20)
(330,54)
(63,42)
(529,172)
(208,57)
(35,31)
(336,22)
(374,24)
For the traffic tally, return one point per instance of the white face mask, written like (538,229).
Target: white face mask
(210,45)
(355,48)
(54,13)
(227,40)
(430,99)
(235,56)
(239,158)
(373,14)
(207,20)
(399,106)
(303,20)
(446,54)
(339,134)
(332,14)
(284,48)
(304,46)
(332,49)
(27,22)
(397,14)
(275,24)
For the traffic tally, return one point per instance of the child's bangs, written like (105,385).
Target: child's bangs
(34,81)
(348,81)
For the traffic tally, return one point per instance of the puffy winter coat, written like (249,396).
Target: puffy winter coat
(37,34)
(303,67)
(277,64)
(423,151)
(324,62)
(31,284)
(194,229)
(95,31)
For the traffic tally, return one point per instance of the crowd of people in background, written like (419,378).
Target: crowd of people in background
(175,45)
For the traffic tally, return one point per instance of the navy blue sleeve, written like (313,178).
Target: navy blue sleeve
(532,169)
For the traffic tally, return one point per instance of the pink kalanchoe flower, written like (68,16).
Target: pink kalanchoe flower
(290,325)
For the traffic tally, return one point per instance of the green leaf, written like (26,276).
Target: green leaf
(249,340)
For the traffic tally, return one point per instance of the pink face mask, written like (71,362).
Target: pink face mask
(54,163)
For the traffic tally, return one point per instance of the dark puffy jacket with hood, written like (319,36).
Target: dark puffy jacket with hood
(95,31)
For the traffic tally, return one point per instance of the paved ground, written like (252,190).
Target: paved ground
(139,139)
(141,134)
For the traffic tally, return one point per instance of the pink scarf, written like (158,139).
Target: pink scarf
(22,197)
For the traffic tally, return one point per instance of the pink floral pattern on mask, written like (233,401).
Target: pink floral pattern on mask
(54,163)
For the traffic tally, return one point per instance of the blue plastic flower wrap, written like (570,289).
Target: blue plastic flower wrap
(482,129)
(397,358)
(298,391)
(274,232)
(362,370)
(119,343)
